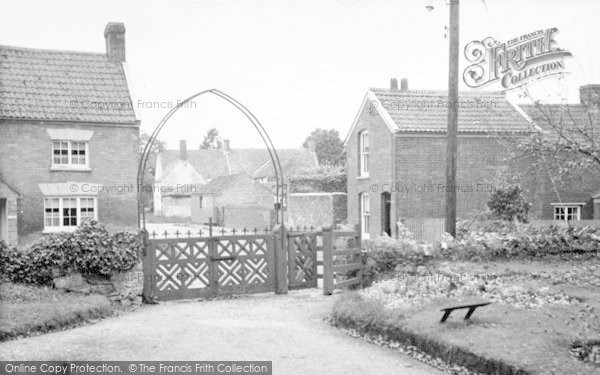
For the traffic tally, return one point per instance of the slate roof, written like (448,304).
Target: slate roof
(39,84)
(427,111)
(211,163)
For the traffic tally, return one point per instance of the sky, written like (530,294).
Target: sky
(297,65)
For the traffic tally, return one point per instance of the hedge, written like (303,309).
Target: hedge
(90,249)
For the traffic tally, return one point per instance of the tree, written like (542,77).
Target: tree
(328,146)
(211,140)
(158,146)
(565,143)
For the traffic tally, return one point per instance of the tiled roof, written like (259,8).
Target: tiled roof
(211,163)
(571,119)
(427,111)
(64,86)
(220,183)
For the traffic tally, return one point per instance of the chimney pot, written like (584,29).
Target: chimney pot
(114,33)
(183,150)
(393,84)
(226,145)
(590,95)
(404,84)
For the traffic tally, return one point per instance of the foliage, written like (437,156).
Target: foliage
(519,241)
(507,203)
(157,146)
(564,145)
(211,140)
(326,178)
(404,233)
(90,250)
(329,147)
(386,255)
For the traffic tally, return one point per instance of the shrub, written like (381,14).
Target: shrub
(518,240)
(90,250)
(507,203)
(386,255)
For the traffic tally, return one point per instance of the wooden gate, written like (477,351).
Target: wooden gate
(302,259)
(182,268)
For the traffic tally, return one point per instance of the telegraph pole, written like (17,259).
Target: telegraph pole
(451,142)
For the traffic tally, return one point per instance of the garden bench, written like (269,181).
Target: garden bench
(472,307)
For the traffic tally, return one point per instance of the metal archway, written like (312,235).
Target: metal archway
(250,116)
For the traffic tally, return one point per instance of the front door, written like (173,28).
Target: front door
(3,221)
(386,210)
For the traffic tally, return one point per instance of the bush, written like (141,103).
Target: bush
(508,203)
(484,242)
(386,255)
(89,250)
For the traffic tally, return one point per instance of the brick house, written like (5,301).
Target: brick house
(405,132)
(70,138)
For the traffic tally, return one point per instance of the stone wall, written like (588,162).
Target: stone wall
(125,287)
(316,209)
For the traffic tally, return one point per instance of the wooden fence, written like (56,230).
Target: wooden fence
(425,229)
(341,258)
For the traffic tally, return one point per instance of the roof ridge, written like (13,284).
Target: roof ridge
(425,91)
(31,49)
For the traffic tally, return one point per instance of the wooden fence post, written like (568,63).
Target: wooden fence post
(327,261)
(147,267)
(280,250)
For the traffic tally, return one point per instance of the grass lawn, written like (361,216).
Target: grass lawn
(540,308)
(27,309)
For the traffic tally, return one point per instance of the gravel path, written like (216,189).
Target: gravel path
(288,330)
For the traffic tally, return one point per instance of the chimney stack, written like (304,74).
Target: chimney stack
(311,146)
(393,84)
(183,150)
(404,84)
(590,95)
(226,145)
(114,33)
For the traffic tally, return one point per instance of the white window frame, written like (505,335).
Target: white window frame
(365,213)
(363,154)
(567,211)
(70,165)
(61,227)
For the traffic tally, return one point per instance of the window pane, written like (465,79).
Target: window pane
(78,153)
(87,208)
(51,212)
(60,152)
(69,212)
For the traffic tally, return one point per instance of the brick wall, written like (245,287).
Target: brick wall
(25,161)
(420,188)
(380,167)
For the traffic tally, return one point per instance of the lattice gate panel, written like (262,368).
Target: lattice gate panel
(302,260)
(206,266)
(247,263)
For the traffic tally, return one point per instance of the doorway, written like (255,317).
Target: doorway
(3,220)
(386,213)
